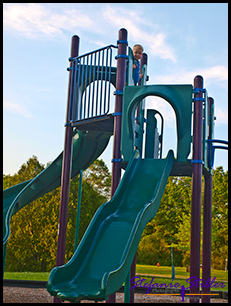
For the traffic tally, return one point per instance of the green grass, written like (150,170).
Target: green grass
(179,272)
(165,272)
(180,275)
(38,276)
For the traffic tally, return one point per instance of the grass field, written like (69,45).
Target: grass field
(144,271)
(180,272)
(181,275)
(38,276)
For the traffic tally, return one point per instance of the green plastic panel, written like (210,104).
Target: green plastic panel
(130,79)
(150,142)
(179,97)
(103,258)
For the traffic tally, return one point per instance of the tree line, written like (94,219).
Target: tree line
(33,240)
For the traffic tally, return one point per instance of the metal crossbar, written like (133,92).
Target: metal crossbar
(211,151)
(92,75)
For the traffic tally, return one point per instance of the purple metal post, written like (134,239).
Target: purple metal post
(133,274)
(207,225)
(196,186)
(66,173)
(120,83)
(207,218)
(143,61)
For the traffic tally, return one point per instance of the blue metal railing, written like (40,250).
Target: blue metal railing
(92,76)
(211,149)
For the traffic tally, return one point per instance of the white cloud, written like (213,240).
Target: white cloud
(221,117)
(16,108)
(212,73)
(164,108)
(216,72)
(34,20)
(154,43)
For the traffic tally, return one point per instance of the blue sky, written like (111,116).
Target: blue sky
(181,40)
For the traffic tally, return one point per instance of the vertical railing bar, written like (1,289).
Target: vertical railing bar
(84,93)
(97,88)
(72,97)
(81,92)
(105,84)
(85,89)
(89,90)
(77,90)
(71,94)
(101,83)
(93,89)
(75,67)
(109,72)
(88,87)
(109,82)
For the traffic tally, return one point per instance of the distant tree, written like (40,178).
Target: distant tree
(91,200)
(33,241)
(99,177)
(165,225)
(220,218)
(6,181)
(27,171)
(173,221)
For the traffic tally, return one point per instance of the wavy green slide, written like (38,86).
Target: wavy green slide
(87,147)
(103,258)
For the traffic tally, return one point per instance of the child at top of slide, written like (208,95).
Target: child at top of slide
(137,53)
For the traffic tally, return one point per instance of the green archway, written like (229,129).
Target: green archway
(179,97)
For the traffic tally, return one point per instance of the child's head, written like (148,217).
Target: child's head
(137,51)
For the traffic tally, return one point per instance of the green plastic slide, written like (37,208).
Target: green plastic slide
(103,258)
(87,147)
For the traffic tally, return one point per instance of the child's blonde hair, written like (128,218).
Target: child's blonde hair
(138,47)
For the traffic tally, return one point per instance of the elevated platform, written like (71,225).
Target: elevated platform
(179,169)
(106,124)
(103,123)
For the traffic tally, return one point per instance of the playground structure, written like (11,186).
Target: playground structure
(105,257)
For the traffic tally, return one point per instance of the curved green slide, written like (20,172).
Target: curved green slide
(87,147)
(103,258)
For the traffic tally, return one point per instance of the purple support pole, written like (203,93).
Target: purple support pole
(143,61)
(196,186)
(207,218)
(66,174)
(133,274)
(207,225)
(120,83)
